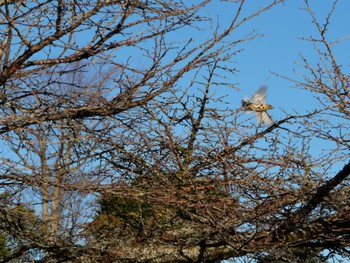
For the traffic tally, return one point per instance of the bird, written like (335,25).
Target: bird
(258,105)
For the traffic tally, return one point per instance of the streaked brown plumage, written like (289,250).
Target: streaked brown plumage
(258,105)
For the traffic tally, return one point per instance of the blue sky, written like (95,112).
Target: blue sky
(279,49)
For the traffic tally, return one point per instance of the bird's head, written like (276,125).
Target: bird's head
(268,106)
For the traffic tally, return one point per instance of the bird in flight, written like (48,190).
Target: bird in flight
(258,105)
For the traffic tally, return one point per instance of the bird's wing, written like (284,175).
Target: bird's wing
(260,95)
(263,118)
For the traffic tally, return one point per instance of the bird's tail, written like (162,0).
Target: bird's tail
(246,105)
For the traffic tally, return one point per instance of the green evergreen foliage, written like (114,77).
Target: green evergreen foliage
(4,252)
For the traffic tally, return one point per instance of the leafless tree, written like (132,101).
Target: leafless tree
(119,145)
